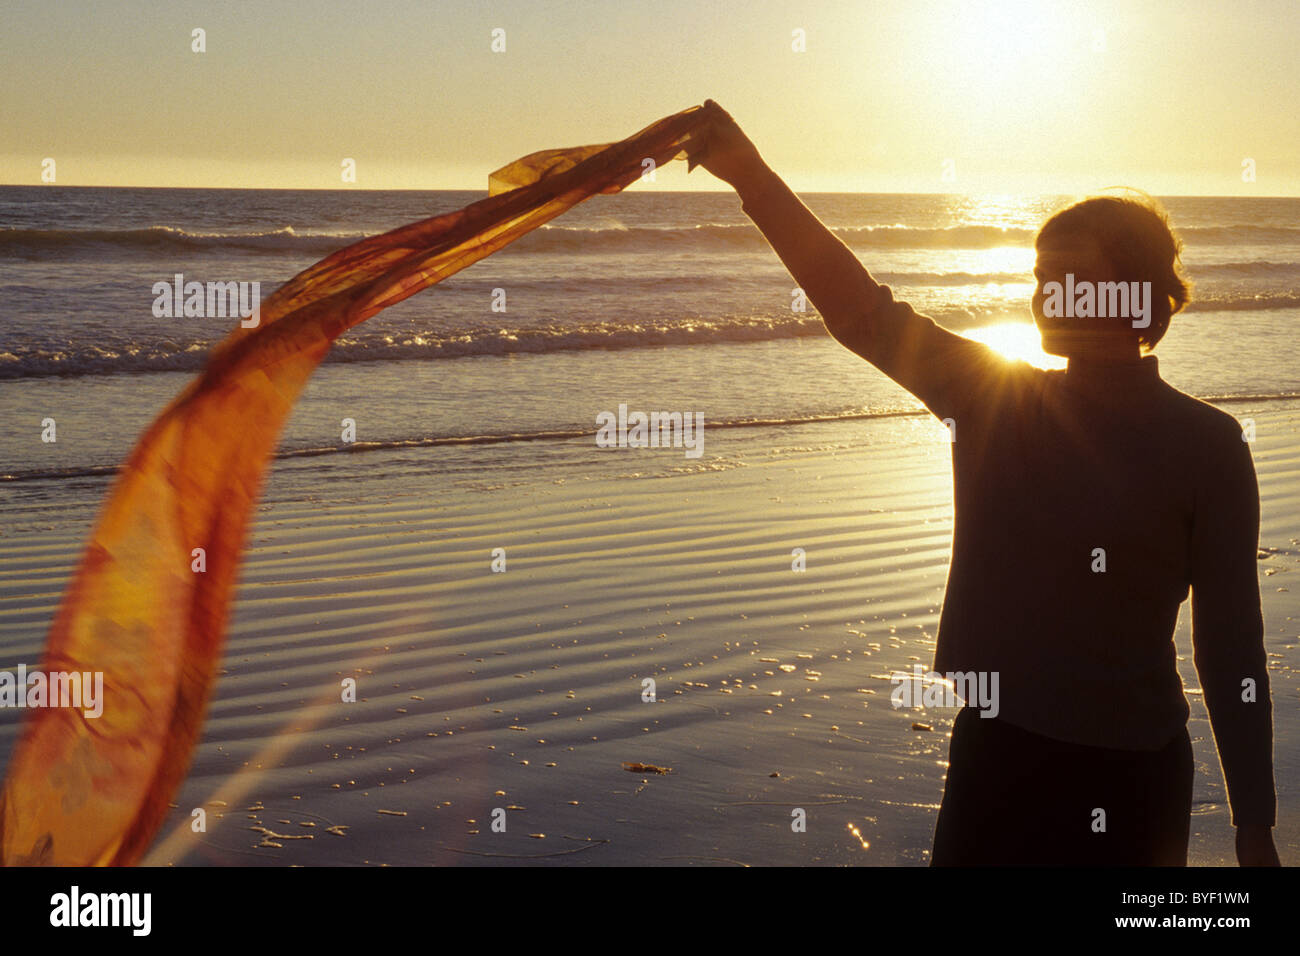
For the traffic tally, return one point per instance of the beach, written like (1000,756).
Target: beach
(523,690)
(440,646)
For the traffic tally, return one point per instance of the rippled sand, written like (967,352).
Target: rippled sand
(483,696)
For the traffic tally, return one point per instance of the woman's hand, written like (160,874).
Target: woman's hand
(728,152)
(1255,846)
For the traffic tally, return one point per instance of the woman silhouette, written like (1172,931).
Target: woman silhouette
(1087,502)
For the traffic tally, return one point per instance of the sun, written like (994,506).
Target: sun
(1016,340)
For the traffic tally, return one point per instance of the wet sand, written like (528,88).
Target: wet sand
(520,694)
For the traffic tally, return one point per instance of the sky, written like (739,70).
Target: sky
(1173,98)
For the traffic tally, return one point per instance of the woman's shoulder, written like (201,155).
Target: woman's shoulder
(1213,422)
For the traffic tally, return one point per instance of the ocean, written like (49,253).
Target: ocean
(660,300)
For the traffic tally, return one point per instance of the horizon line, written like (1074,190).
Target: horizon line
(723,190)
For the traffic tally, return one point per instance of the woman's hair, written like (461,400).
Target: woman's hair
(1134,235)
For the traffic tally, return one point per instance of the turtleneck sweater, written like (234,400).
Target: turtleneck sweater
(1088,503)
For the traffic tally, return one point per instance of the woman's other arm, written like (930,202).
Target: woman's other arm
(1228,640)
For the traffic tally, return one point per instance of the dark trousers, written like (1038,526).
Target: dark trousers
(1018,798)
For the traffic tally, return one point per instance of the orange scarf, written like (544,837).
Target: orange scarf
(93,791)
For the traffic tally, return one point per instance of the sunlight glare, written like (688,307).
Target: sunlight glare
(1016,340)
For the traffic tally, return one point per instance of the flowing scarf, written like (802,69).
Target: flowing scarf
(86,791)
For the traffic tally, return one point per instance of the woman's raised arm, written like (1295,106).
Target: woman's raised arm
(825,268)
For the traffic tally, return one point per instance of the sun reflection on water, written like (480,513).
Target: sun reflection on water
(858,836)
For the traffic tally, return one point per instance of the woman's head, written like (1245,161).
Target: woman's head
(1100,242)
